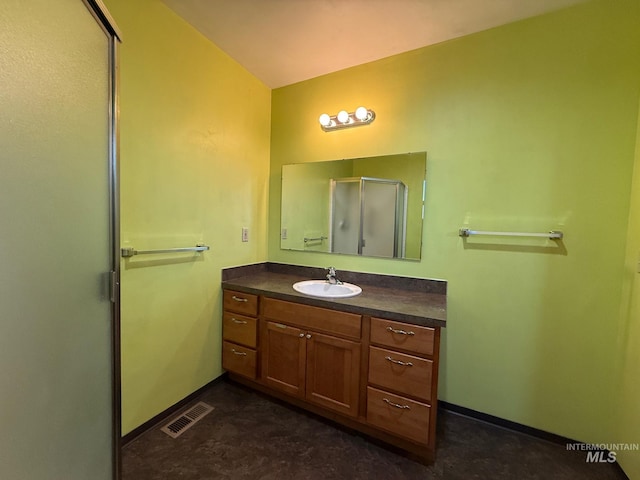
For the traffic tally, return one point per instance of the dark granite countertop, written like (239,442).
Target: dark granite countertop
(412,300)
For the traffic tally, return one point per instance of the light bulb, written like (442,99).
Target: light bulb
(325,120)
(343,116)
(362,113)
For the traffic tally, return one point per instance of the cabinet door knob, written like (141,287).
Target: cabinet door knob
(240,299)
(397,405)
(308,335)
(301,335)
(401,332)
(399,362)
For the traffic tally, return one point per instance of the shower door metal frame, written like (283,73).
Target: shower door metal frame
(108,25)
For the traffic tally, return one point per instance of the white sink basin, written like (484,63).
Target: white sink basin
(322,288)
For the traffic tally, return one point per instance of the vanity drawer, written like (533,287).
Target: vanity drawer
(239,329)
(398,415)
(319,319)
(238,359)
(240,302)
(403,373)
(405,336)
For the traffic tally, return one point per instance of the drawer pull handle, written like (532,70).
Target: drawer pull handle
(397,405)
(235,352)
(401,332)
(399,362)
(240,299)
(235,320)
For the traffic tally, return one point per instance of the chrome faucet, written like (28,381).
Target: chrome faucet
(331,276)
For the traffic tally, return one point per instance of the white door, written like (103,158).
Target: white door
(55,243)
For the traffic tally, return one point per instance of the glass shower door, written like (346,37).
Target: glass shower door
(55,243)
(345,216)
(368,216)
(379,218)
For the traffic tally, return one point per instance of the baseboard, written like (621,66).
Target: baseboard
(517,427)
(165,414)
(507,424)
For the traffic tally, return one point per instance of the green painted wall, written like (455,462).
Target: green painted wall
(194,149)
(306,209)
(530,126)
(629,347)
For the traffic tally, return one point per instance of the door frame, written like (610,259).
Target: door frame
(108,24)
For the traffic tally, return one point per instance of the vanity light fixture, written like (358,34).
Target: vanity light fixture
(344,119)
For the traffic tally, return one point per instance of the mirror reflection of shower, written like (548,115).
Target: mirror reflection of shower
(307,206)
(368,216)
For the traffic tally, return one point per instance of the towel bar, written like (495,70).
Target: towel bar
(553,234)
(130,251)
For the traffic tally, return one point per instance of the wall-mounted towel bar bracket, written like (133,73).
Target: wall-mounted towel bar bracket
(130,251)
(316,239)
(553,234)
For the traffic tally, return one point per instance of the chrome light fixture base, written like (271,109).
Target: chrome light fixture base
(344,119)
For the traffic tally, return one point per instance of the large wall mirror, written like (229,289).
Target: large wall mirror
(370,206)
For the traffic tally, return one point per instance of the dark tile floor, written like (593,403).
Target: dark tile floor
(250,436)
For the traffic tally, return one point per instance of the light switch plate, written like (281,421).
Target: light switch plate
(245,234)
(283,235)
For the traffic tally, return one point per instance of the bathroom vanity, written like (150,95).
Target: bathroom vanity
(369,362)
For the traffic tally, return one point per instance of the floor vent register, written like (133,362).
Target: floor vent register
(181,424)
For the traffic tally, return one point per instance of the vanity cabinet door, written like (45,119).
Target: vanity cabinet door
(412,338)
(333,370)
(239,329)
(239,334)
(240,302)
(239,359)
(406,374)
(283,350)
(398,415)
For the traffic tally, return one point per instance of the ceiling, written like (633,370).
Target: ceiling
(286,41)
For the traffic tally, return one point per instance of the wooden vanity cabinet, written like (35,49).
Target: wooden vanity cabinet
(403,380)
(239,333)
(333,370)
(318,367)
(284,357)
(375,375)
